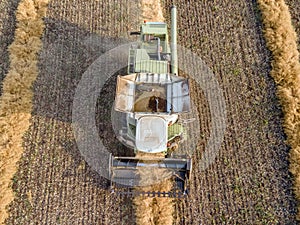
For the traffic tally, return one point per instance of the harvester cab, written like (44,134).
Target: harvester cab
(151,98)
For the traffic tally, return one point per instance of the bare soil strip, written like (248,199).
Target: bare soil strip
(282,41)
(15,106)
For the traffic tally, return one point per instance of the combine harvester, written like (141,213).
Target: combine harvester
(151,98)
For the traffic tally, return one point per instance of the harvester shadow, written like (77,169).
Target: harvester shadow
(68,51)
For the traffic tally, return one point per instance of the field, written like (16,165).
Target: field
(249,182)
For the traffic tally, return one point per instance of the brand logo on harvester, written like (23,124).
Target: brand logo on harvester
(107,65)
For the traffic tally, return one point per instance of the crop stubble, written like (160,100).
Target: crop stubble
(248,183)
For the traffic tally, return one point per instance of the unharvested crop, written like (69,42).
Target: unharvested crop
(282,41)
(15,102)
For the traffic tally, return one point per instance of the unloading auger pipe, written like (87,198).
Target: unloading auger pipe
(174,59)
(158,48)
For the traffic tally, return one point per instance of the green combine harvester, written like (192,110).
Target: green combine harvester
(151,98)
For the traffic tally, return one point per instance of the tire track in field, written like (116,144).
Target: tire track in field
(16,100)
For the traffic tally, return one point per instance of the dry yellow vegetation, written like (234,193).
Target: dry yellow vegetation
(151,11)
(281,39)
(16,100)
(154,211)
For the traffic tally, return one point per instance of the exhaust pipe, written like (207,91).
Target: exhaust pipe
(174,59)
